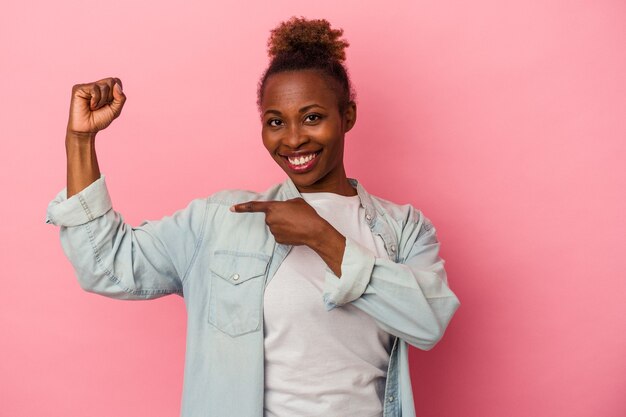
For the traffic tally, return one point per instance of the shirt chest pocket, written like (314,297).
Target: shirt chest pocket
(236,294)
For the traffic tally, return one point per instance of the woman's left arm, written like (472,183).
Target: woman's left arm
(409,299)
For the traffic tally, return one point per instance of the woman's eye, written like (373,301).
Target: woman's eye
(274,122)
(312,117)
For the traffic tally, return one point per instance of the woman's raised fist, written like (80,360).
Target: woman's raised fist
(95,105)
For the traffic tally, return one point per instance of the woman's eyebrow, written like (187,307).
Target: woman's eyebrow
(309,107)
(302,110)
(276,112)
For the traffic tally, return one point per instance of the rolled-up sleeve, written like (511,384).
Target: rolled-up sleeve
(92,202)
(409,298)
(356,270)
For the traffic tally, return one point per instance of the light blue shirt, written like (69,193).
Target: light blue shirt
(221,262)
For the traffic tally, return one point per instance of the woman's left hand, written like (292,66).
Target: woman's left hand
(295,222)
(292,222)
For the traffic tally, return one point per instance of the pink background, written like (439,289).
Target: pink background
(503,121)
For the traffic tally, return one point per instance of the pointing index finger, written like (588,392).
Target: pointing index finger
(252,207)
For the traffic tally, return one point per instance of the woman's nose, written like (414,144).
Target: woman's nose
(295,137)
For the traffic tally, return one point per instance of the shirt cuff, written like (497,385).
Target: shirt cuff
(90,203)
(356,271)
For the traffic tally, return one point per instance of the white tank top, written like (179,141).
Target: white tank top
(319,362)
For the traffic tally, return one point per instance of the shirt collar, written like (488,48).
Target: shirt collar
(288,190)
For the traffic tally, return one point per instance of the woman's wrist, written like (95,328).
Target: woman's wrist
(330,245)
(79,138)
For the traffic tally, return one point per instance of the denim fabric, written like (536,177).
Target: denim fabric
(220,262)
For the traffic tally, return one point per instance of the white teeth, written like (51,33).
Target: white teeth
(301,160)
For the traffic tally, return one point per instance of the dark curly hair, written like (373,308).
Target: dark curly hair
(301,44)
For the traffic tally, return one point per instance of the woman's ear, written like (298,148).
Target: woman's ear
(349,116)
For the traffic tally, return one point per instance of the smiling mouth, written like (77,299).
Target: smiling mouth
(301,163)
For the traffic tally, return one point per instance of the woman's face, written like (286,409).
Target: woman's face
(303,130)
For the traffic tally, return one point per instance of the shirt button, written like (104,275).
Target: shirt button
(368,217)
(235,277)
(393,248)
(390,398)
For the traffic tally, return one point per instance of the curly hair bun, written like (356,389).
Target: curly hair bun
(313,38)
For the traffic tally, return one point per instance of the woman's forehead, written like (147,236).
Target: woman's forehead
(294,89)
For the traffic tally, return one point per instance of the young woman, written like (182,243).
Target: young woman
(301,300)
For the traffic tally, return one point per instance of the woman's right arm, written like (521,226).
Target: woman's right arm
(92,108)
(110,257)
